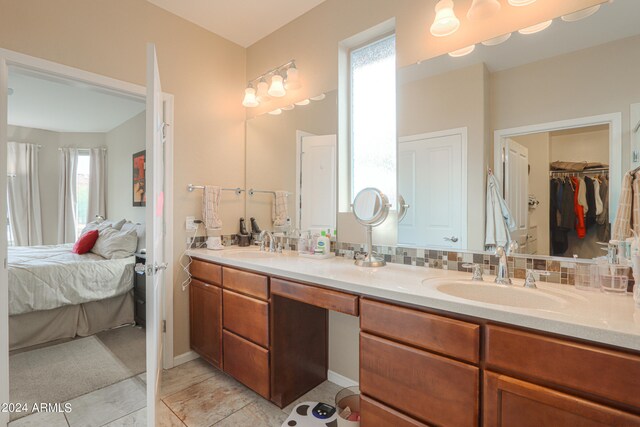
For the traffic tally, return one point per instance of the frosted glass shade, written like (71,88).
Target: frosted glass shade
(276,112)
(262,91)
(293,79)
(462,52)
(521,2)
(277,87)
(483,9)
(250,97)
(581,14)
(445,22)
(303,102)
(497,40)
(535,28)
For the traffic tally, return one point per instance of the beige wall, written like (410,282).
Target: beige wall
(49,168)
(122,142)
(204,72)
(580,146)
(538,146)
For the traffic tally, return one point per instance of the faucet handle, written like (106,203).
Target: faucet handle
(530,281)
(476,270)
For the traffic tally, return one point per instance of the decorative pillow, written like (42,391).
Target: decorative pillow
(114,244)
(140,231)
(85,242)
(101,225)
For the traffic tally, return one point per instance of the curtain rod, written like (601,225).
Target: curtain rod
(101,148)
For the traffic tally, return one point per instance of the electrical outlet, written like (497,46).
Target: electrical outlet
(190,224)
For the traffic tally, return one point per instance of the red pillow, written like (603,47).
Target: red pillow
(85,242)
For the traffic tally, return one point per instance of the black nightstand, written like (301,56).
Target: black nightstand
(140,293)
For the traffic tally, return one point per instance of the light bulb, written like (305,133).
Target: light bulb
(303,102)
(483,9)
(276,112)
(277,88)
(263,89)
(497,40)
(535,28)
(462,52)
(445,23)
(293,79)
(581,14)
(521,2)
(250,97)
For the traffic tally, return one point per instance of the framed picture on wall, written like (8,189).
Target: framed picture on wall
(139,194)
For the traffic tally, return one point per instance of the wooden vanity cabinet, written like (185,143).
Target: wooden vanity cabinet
(205,321)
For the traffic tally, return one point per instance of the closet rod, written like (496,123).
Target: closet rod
(586,171)
(192,187)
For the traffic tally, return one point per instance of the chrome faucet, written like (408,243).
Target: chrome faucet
(502,275)
(263,234)
(476,269)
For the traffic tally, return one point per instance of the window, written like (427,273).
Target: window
(82,190)
(373,117)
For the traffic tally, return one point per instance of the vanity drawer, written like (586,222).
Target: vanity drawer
(246,283)
(247,317)
(451,337)
(375,414)
(320,297)
(609,374)
(246,362)
(428,387)
(207,272)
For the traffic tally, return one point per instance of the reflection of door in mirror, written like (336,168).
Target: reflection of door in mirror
(516,190)
(432,179)
(567,196)
(318,189)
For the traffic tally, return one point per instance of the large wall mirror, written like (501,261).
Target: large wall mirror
(293,155)
(549,113)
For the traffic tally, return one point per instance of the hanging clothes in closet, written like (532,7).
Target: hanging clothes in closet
(578,203)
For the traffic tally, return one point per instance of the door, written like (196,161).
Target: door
(318,189)
(431,180)
(205,321)
(154,191)
(516,172)
(4,288)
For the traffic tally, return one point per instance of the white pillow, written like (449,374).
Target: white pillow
(102,224)
(140,231)
(114,244)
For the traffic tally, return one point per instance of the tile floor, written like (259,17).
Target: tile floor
(193,394)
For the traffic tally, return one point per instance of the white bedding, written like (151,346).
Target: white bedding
(47,277)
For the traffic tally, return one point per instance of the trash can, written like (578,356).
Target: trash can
(348,407)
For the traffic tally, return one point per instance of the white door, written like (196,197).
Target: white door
(4,288)
(318,189)
(154,183)
(516,189)
(430,178)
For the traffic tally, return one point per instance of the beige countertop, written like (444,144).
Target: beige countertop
(561,309)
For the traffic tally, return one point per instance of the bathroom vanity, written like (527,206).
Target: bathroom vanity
(426,357)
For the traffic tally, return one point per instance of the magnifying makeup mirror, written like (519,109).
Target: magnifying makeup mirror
(371,208)
(403,206)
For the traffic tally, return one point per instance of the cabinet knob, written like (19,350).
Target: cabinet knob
(453,239)
(140,269)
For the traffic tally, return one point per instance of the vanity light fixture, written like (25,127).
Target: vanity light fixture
(462,52)
(536,28)
(288,107)
(303,102)
(250,97)
(483,9)
(445,23)
(581,14)
(497,40)
(276,112)
(318,97)
(272,84)
(521,2)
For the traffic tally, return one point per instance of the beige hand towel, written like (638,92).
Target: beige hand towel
(211,206)
(280,208)
(622,225)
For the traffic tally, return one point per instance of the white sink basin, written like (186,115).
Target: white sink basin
(512,296)
(250,254)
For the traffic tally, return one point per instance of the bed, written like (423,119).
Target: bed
(55,294)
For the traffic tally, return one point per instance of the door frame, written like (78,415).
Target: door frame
(12,58)
(463,132)
(614,120)
(299,135)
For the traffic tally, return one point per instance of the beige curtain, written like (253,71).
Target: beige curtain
(97,184)
(23,189)
(68,167)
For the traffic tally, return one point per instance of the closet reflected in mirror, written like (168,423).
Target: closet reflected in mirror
(568,94)
(293,155)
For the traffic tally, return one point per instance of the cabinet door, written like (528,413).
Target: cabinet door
(511,402)
(205,321)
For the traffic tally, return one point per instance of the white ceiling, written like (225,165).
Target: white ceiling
(60,105)
(614,21)
(242,21)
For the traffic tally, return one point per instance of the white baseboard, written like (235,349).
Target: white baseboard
(184,358)
(340,380)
